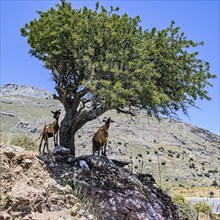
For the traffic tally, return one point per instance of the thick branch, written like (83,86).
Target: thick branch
(129,112)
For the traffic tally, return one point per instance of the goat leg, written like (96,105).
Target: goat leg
(56,140)
(45,143)
(41,140)
(104,150)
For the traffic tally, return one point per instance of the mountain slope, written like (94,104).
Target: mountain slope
(175,153)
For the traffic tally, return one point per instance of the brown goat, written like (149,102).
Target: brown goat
(100,138)
(50,130)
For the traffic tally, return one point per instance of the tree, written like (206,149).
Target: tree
(100,60)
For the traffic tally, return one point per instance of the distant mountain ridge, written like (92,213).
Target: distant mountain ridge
(24,90)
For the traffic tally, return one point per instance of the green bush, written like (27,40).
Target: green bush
(187,211)
(185,208)
(24,141)
(203,207)
(179,198)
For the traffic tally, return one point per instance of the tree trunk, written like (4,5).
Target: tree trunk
(67,132)
(72,122)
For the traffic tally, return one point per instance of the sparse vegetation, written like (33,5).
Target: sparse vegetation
(88,203)
(179,198)
(203,207)
(186,209)
(25,142)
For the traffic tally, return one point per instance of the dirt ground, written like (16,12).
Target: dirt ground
(29,191)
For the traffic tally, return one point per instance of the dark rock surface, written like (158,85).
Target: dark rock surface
(116,192)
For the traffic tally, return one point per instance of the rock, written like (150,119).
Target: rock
(121,163)
(90,217)
(9,154)
(75,209)
(27,163)
(27,91)
(59,150)
(81,212)
(7,114)
(5,216)
(125,196)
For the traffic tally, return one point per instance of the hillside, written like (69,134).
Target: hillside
(76,189)
(186,155)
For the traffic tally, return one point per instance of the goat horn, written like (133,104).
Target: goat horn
(53,112)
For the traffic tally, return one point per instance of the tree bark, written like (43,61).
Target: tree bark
(72,122)
(67,132)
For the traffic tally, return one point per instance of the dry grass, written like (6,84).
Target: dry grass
(205,192)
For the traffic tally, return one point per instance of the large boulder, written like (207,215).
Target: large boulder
(116,193)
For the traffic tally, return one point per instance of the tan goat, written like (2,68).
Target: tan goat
(50,130)
(100,138)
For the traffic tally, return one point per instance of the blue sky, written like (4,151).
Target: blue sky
(199,20)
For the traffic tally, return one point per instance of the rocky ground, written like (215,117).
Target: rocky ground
(28,190)
(64,188)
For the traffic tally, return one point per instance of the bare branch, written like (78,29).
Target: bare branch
(129,112)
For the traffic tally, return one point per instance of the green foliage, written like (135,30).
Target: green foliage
(187,211)
(179,198)
(100,60)
(203,207)
(109,58)
(25,142)
(185,208)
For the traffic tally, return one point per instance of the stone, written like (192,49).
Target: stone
(27,163)
(75,209)
(9,154)
(5,216)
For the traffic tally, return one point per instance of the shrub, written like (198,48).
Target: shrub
(185,208)
(214,183)
(211,194)
(203,207)
(187,211)
(179,198)
(25,142)
(192,166)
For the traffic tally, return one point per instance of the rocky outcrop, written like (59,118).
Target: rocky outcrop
(114,191)
(28,91)
(125,196)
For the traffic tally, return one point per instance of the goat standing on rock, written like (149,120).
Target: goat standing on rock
(50,130)
(100,138)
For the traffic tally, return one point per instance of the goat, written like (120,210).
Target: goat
(100,138)
(50,130)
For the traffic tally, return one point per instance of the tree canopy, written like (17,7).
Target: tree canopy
(102,60)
